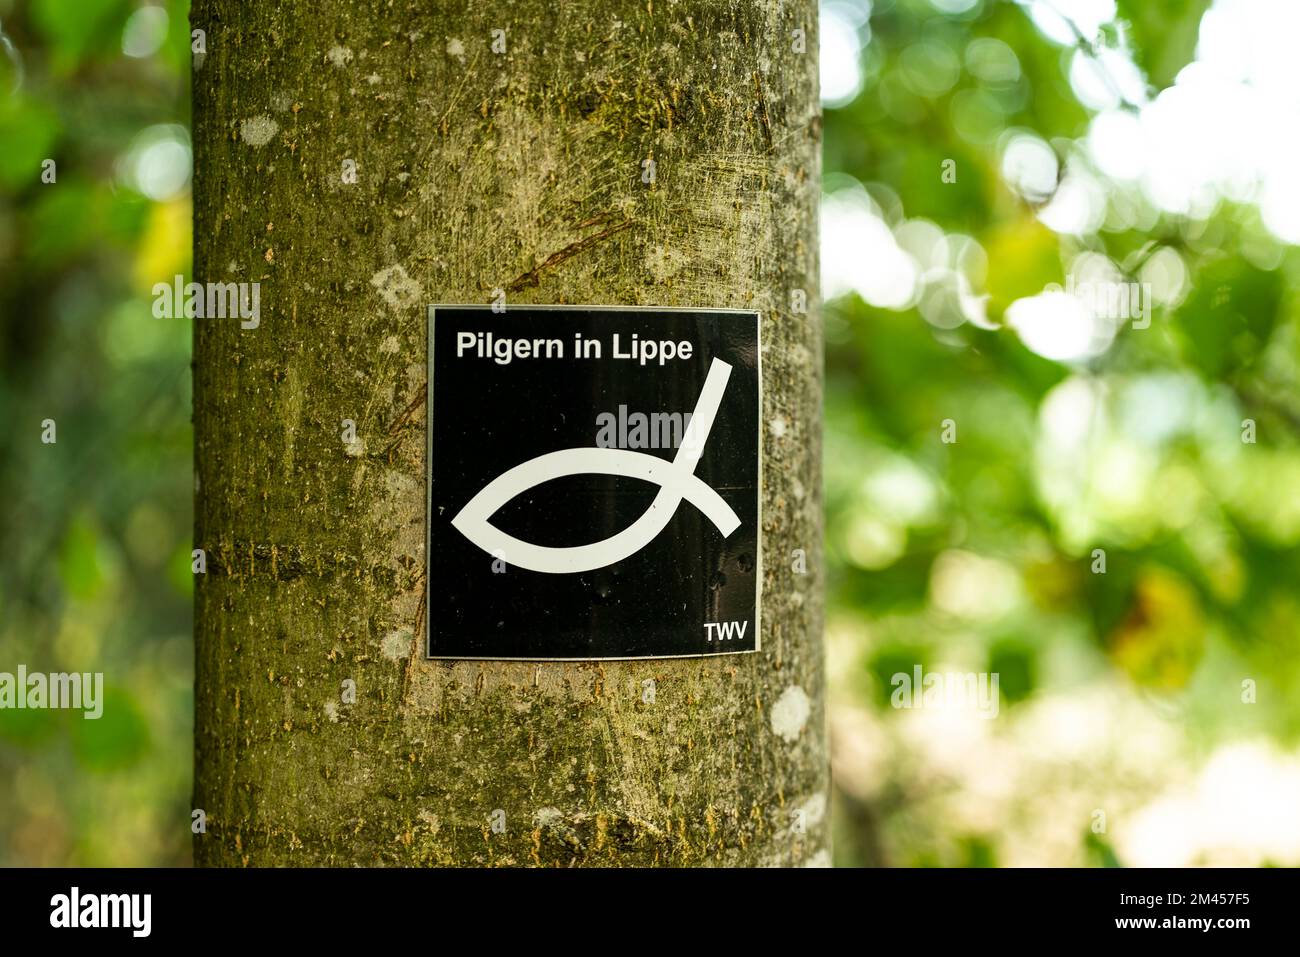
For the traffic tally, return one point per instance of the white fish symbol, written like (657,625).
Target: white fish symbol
(676,481)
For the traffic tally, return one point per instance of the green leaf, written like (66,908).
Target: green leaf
(79,566)
(64,220)
(1164,34)
(77,28)
(28,727)
(117,739)
(28,131)
(1230,316)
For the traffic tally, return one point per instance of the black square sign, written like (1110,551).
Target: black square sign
(593,482)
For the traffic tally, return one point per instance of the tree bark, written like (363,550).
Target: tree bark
(479,170)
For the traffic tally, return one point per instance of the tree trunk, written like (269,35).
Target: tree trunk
(479,170)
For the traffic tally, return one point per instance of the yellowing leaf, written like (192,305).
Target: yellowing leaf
(1161,640)
(1024,256)
(164,250)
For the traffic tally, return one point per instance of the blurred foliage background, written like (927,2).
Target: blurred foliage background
(1087,144)
(95,529)
(1020,479)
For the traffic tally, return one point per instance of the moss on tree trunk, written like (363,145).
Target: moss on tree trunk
(479,170)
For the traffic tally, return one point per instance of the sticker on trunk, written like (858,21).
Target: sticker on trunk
(593,476)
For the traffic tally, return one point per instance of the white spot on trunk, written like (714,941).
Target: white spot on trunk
(339,56)
(777,427)
(396,645)
(258,130)
(548,816)
(395,287)
(332,710)
(790,714)
(456,48)
(813,810)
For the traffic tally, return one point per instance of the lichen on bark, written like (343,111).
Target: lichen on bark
(322,735)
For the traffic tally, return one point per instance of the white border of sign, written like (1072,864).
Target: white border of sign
(428,468)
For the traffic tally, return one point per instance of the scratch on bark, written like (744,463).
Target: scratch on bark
(410,408)
(531,277)
(419,639)
(455,98)
(762,112)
